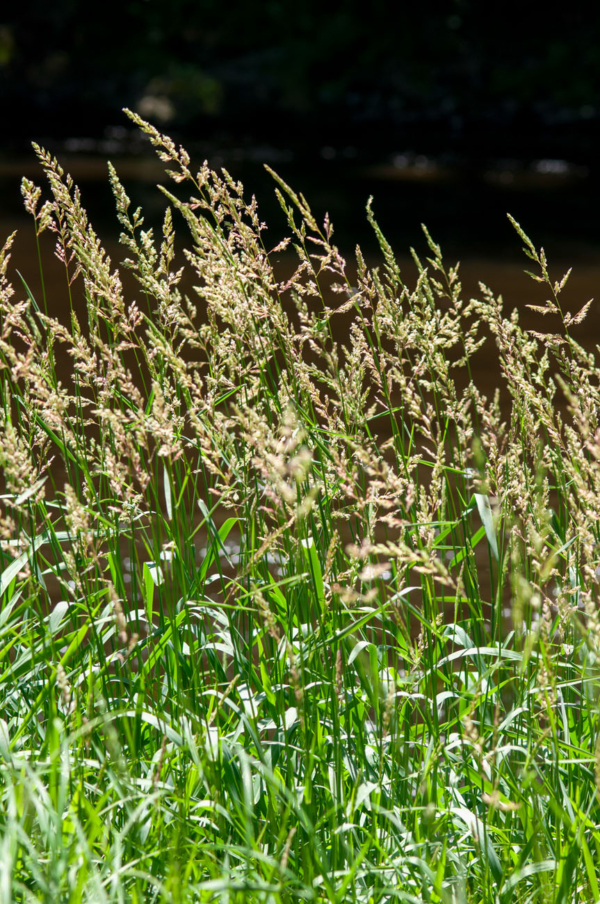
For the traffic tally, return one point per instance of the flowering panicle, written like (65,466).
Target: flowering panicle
(324,397)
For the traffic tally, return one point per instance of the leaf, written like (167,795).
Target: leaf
(8,608)
(34,303)
(218,543)
(480,834)
(479,535)
(591,869)
(365,790)
(498,652)
(459,634)
(155,572)
(10,573)
(26,494)
(4,738)
(57,615)
(310,552)
(160,724)
(531,869)
(149,585)
(277,595)
(291,717)
(158,648)
(485,513)
(168,494)
(75,644)
(358,648)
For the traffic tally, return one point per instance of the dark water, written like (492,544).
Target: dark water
(463,201)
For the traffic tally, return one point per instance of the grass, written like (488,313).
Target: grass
(286,616)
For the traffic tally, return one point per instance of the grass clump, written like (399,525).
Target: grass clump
(289,611)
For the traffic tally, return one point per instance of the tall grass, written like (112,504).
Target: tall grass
(289,612)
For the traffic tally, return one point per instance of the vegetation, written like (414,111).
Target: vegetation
(291,611)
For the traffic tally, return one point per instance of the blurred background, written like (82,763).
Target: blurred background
(449,113)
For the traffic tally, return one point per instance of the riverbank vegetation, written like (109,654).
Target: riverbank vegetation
(289,610)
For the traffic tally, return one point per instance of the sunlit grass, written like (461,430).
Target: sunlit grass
(287,616)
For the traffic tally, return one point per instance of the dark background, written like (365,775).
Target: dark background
(449,112)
